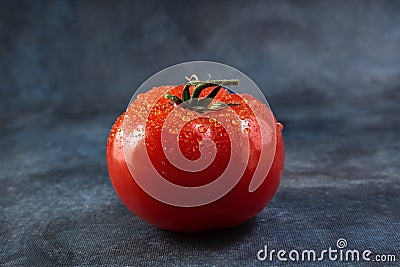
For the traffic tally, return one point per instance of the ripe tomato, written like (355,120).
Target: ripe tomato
(140,143)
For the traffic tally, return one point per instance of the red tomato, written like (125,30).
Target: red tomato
(227,121)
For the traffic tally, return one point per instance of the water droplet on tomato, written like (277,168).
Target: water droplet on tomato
(246,130)
(173,131)
(212,120)
(202,129)
(217,124)
(235,122)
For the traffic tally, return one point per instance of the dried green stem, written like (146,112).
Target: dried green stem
(201,105)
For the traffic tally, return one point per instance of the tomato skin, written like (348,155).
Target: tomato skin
(234,208)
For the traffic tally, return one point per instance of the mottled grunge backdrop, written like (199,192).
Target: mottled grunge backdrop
(330,70)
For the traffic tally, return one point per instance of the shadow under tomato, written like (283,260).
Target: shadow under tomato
(213,238)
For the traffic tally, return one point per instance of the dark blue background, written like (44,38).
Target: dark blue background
(330,70)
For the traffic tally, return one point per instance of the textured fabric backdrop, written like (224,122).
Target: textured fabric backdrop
(331,72)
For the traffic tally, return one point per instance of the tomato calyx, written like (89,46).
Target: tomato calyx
(193,102)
